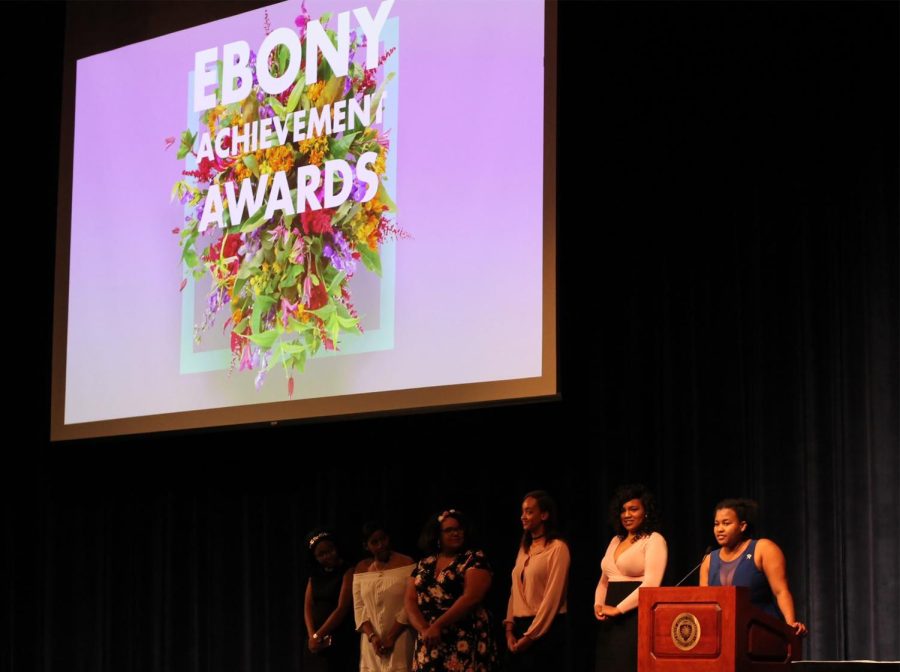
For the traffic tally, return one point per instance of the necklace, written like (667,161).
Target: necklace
(381,567)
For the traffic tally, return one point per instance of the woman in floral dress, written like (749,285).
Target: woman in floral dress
(444,601)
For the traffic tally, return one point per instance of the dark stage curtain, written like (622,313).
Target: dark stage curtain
(729,326)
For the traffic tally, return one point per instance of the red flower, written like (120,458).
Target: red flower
(317,221)
(232,245)
(204,171)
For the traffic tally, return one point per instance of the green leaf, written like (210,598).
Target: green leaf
(275,356)
(276,105)
(332,91)
(266,339)
(189,237)
(335,282)
(256,221)
(385,198)
(299,326)
(294,348)
(334,329)
(251,267)
(324,312)
(299,361)
(299,88)
(339,148)
(315,279)
(187,143)
(347,322)
(250,162)
(261,305)
(190,258)
(341,211)
(282,58)
(370,258)
(290,277)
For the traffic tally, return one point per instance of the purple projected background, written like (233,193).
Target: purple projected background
(469,143)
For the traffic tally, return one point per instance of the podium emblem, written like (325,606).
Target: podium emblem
(685,631)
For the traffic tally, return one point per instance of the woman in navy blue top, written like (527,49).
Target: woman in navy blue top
(741,560)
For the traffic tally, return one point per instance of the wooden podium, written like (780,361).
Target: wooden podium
(704,629)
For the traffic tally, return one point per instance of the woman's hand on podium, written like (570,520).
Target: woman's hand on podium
(799,628)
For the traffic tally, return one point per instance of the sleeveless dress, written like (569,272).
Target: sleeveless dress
(343,654)
(746,575)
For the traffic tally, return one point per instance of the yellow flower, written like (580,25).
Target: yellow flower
(365,223)
(213,117)
(315,148)
(280,158)
(241,171)
(380,162)
(314,91)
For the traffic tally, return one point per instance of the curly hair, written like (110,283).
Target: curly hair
(746,510)
(626,493)
(429,539)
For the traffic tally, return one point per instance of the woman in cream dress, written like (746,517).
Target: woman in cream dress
(379,587)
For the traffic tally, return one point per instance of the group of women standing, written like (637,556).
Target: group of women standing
(429,616)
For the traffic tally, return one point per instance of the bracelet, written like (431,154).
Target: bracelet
(315,635)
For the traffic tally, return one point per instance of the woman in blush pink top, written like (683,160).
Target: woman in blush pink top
(636,557)
(537,602)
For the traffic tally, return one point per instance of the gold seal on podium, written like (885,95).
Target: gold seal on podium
(685,631)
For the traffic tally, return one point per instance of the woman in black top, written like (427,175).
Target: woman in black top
(332,644)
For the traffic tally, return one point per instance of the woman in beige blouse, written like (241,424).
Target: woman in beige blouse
(379,587)
(636,557)
(537,601)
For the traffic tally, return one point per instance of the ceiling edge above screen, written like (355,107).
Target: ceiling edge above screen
(107,340)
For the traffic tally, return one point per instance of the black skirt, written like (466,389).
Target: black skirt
(617,636)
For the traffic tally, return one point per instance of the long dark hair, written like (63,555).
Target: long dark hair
(746,510)
(625,493)
(547,505)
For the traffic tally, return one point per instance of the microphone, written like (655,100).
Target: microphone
(705,553)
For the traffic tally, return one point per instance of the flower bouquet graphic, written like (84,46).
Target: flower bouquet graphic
(278,290)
